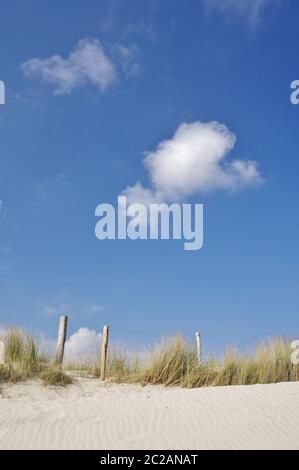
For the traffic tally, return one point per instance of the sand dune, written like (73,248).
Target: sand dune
(92,415)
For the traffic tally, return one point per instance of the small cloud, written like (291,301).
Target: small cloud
(141,28)
(109,19)
(62,180)
(93,309)
(57,308)
(83,346)
(194,161)
(50,311)
(88,64)
(48,187)
(253,11)
(127,58)
(29,98)
(140,195)
(53,310)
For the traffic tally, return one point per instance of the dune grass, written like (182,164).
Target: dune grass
(125,368)
(9,374)
(21,353)
(55,376)
(173,362)
(170,363)
(23,360)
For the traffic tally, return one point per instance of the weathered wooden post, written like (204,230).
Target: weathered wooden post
(198,345)
(61,340)
(105,340)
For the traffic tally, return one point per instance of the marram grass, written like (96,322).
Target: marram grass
(23,360)
(21,353)
(55,376)
(173,362)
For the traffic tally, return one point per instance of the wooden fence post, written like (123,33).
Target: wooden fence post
(61,340)
(198,345)
(105,340)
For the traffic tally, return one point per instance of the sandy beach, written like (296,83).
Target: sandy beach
(93,415)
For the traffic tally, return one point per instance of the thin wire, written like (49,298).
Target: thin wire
(145,332)
(165,333)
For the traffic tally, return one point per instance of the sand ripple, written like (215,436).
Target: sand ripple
(90,415)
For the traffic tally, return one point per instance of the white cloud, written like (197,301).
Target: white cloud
(194,161)
(57,308)
(145,29)
(62,179)
(52,310)
(87,64)
(252,10)
(84,345)
(127,57)
(50,187)
(139,194)
(93,309)
(109,19)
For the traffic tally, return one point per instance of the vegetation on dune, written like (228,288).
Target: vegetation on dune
(23,360)
(170,363)
(9,374)
(173,362)
(21,353)
(55,376)
(122,367)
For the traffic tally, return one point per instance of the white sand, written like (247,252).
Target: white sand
(90,415)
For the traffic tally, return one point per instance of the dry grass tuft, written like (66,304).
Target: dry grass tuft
(170,362)
(9,374)
(21,355)
(23,360)
(56,377)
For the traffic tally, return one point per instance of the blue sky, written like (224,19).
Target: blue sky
(71,140)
